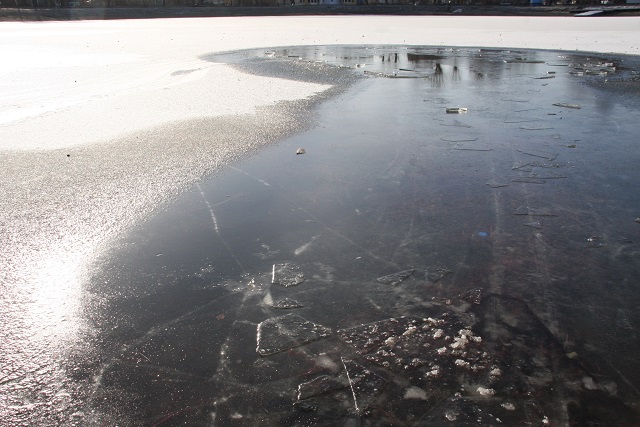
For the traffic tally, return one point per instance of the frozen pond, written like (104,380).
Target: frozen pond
(456,243)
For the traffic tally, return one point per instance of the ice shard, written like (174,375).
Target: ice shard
(396,278)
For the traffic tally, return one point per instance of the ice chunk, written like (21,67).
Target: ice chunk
(433,274)
(321,385)
(287,274)
(396,278)
(287,303)
(365,385)
(285,332)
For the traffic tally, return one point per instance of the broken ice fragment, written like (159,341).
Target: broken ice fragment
(526,210)
(301,151)
(365,385)
(528,180)
(542,154)
(566,105)
(285,332)
(536,127)
(287,303)
(395,278)
(548,175)
(287,275)
(533,224)
(321,385)
(495,184)
(433,274)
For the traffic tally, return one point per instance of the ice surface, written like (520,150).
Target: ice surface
(285,332)
(396,278)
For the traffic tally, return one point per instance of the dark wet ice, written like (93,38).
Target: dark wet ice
(414,267)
